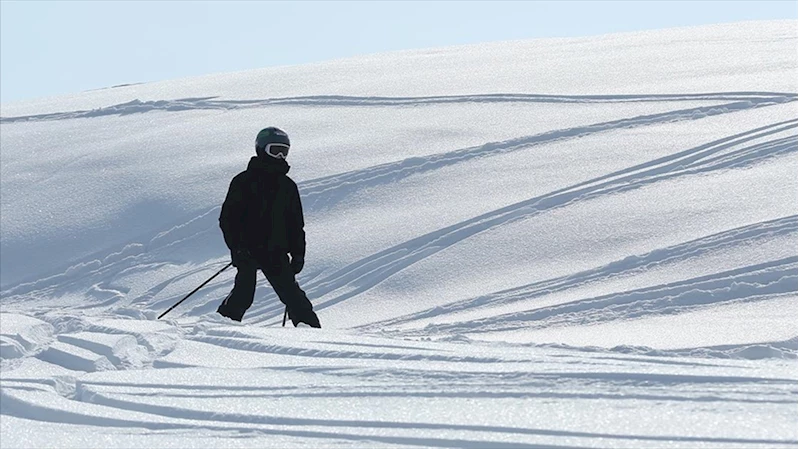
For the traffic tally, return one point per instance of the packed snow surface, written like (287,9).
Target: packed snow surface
(551,243)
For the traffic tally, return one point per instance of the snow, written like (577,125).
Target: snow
(506,249)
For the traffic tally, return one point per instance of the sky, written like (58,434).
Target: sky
(50,48)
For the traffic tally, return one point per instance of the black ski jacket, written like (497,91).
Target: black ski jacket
(262,210)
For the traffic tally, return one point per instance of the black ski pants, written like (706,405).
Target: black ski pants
(275,266)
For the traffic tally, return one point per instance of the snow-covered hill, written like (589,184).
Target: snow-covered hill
(564,242)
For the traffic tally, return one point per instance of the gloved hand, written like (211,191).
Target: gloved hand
(297,263)
(240,257)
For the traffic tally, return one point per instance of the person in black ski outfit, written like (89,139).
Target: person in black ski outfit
(262,223)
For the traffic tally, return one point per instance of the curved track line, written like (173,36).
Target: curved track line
(327,191)
(750,283)
(365,274)
(189,104)
(739,236)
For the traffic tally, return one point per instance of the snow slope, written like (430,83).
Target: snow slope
(552,243)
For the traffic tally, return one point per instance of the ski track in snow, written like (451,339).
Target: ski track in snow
(394,358)
(326,192)
(731,152)
(189,104)
(180,400)
(772,278)
(718,155)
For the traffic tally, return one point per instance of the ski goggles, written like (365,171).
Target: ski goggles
(277,150)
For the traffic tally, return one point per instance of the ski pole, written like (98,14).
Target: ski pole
(195,290)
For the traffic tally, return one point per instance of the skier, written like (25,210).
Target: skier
(262,223)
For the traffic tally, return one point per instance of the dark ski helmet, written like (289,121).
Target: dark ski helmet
(272,142)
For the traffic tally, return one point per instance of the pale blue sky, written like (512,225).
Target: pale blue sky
(51,48)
